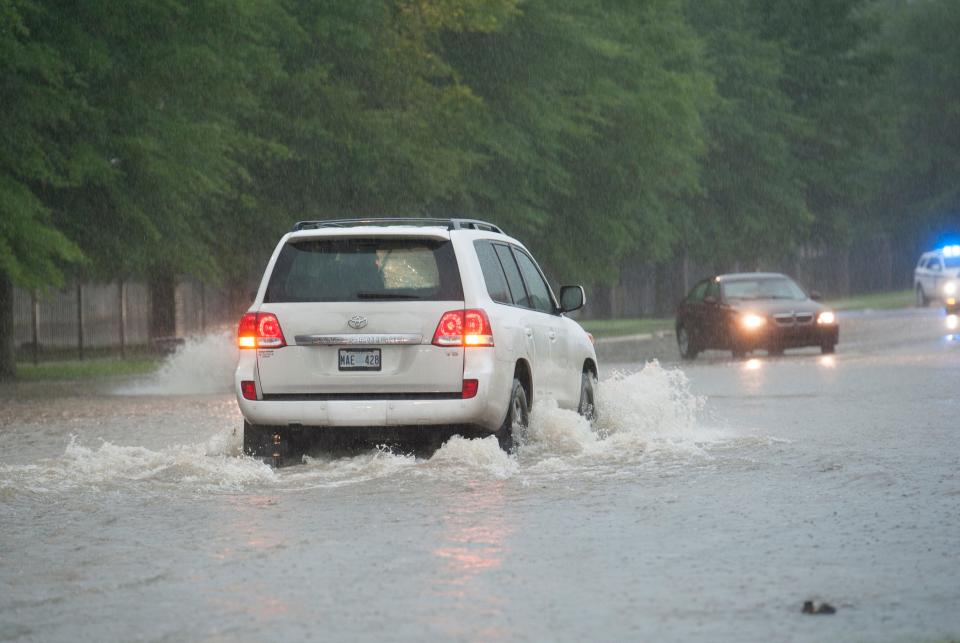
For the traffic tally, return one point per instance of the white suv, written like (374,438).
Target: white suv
(416,325)
(937,276)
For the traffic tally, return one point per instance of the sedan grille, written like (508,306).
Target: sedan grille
(793,319)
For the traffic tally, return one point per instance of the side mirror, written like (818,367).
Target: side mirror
(709,299)
(815,295)
(572,298)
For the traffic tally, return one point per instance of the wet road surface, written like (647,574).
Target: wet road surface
(717,498)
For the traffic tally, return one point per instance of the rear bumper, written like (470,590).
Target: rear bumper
(485,411)
(372,413)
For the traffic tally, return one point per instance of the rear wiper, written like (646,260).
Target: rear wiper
(385,295)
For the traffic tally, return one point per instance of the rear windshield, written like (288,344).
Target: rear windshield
(337,269)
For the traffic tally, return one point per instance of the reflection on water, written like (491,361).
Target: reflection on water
(752,364)
(828,361)
(952,322)
(471,544)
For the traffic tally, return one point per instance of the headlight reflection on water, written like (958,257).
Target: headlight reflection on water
(952,322)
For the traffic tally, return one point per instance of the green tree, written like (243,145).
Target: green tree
(40,107)
(832,75)
(753,202)
(923,194)
(591,129)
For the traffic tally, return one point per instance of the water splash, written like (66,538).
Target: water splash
(210,465)
(647,416)
(650,411)
(203,365)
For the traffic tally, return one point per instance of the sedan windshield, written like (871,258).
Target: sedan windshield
(777,288)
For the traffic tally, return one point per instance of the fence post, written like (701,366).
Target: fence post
(35,325)
(80,318)
(203,308)
(123,318)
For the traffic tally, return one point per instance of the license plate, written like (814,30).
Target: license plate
(359,359)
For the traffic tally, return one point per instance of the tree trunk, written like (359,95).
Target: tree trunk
(8,365)
(163,305)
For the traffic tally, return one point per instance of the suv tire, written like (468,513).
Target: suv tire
(922,301)
(518,416)
(255,440)
(588,407)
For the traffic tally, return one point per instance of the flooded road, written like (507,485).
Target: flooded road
(716,499)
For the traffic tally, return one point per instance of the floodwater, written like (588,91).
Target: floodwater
(717,497)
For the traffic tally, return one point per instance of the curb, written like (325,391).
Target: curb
(641,337)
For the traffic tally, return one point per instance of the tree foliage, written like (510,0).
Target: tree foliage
(171,137)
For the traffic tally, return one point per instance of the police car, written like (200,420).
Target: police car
(937,277)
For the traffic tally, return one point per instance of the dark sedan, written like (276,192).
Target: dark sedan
(743,312)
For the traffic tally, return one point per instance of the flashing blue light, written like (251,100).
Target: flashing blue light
(951,251)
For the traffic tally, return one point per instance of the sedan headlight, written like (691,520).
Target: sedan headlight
(950,288)
(826,317)
(751,321)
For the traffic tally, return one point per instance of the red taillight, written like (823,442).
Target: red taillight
(470,388)
(249,389)
(463,328)
(260,330)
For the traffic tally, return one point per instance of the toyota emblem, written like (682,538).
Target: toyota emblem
(357,322)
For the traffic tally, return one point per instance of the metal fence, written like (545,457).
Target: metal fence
(87,318)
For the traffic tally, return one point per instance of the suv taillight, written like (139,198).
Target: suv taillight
(260,330)
(463,328)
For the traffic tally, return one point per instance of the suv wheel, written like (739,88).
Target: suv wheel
(685,344)
(922,301)
(827,348)
(518,416)
(588,397)
(255,440)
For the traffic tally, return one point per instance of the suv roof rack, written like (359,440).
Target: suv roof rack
(449,224)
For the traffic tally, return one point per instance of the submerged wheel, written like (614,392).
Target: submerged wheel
(827,348)
(256,440)
(588,406)
(738,350)
(688,350)
(518,416)
(922,301)
(775,351)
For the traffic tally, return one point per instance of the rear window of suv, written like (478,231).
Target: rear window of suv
(365,269)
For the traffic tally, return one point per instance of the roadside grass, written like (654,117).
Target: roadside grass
(85,369)
(619,327)
(878,300)
(634,326)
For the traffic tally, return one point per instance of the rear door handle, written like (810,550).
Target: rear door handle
(552,335)
(528,331)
